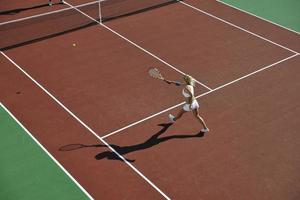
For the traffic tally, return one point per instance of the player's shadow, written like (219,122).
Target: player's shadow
(123,150)
(18,10)
(152,141)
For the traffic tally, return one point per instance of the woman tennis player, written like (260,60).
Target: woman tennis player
(191,102)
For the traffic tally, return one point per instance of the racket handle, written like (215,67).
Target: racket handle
(167,81)
(177,83)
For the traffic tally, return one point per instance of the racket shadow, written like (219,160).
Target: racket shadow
(72,147)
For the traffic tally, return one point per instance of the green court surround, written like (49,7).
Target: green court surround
(283,12)
(26,171)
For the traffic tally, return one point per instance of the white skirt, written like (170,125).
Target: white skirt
(188,107)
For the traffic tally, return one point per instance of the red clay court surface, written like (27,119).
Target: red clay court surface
(252,150)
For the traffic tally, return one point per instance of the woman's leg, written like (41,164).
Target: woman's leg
(196,114)
(179,114)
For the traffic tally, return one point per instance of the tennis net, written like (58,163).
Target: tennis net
(32,29)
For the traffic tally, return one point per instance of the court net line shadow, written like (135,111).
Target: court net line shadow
(18,10)
(123,150)
(56,33)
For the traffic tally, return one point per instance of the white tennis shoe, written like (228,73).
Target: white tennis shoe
(172,118)
(204,130)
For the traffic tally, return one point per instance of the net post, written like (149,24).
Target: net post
(100,14)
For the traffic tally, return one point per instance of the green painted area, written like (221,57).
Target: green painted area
(283,12)
(26,171)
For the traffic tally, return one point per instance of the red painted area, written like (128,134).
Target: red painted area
(252,149)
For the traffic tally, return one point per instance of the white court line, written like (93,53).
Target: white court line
(46,151)
(86,126)
(142,120)
(255,72)
(136,45)
(249,13)
(236,26)
(201,95)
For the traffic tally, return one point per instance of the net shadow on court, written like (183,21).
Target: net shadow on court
(19,10)
(18,33)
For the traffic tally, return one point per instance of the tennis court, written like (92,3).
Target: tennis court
(74,77)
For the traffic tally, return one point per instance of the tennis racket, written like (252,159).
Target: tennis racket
(154,73)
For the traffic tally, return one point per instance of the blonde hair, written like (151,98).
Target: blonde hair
(189,80)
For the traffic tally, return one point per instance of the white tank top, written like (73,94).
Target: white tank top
(187,95)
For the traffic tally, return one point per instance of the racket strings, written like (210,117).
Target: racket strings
(154,72)
(71,147)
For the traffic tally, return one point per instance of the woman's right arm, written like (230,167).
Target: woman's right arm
(177,83)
